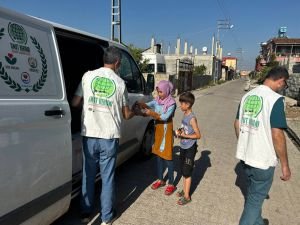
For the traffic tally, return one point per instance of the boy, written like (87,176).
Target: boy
(188,133)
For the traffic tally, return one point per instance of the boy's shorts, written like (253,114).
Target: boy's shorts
(187,159)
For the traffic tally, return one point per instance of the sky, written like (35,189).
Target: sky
(194,21)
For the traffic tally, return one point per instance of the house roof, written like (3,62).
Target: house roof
(285,40)
(228,57)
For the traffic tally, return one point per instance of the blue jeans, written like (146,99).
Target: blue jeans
(160,169)
(258,187)
(99,153)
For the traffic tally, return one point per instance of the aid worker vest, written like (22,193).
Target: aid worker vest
(103,97)
(255,144)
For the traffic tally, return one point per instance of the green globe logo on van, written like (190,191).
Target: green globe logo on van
(253,106)
(103,87)
(17,33)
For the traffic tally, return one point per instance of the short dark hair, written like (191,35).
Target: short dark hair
(111,55)
(187,97)
(277,73)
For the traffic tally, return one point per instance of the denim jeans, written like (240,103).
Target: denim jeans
(258,186)
(99,153)
(160,169)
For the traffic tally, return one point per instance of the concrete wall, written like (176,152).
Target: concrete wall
(294,86)
(206,60)
(171,63)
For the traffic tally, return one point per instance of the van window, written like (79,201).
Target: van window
(131,74)
(28,63)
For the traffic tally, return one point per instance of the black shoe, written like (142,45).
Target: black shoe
(85,217)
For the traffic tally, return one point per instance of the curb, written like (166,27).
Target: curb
(294,137)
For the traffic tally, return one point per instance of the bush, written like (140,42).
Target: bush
(199,70)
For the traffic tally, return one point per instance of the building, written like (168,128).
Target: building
(282,49)
(156,60)
(229,67)
(286,51)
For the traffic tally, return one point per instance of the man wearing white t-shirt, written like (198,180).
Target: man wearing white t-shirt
(105,102)
(259,126)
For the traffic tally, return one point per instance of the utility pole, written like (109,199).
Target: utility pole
(116,20)
(221,24)
(225,25)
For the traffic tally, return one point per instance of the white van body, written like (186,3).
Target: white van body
(41,65)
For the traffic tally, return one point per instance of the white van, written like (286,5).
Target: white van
(41,65)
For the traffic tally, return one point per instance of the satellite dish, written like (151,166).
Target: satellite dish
(204,49)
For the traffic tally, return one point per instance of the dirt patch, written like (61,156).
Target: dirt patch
(293,112)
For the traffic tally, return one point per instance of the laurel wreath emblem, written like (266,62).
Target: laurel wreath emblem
(8,80)
(39,84)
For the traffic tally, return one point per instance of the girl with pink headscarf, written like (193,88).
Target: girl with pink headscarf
(162,109)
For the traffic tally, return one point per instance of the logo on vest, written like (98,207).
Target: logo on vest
(252,107)
(102,88)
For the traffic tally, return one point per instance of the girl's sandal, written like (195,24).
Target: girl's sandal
(179,194)
(183,201)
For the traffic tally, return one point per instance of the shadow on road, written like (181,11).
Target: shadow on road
(133,178)
(200,167)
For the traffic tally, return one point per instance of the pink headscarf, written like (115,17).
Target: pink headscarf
(166,87)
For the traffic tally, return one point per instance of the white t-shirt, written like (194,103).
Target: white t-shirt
(104,94)
(255,145)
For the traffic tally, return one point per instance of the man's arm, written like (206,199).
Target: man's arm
(76,101)
(281,151)
(127,113)
(237,128)
(237,123)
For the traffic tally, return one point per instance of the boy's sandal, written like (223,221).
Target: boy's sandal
(183,201)
(180,193)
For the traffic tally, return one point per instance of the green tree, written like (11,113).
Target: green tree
(199,70)
(137,55)
(272,63)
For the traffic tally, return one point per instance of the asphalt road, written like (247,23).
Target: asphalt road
(218,182)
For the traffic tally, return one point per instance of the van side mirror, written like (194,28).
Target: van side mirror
(150,83)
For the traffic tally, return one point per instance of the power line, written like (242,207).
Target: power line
(223,9)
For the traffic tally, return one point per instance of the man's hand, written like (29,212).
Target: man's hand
(286,173)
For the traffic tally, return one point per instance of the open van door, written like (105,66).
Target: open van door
(35,136)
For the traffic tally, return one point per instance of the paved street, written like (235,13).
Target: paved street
(217,189)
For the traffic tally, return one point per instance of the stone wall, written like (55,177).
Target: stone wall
(294,86)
